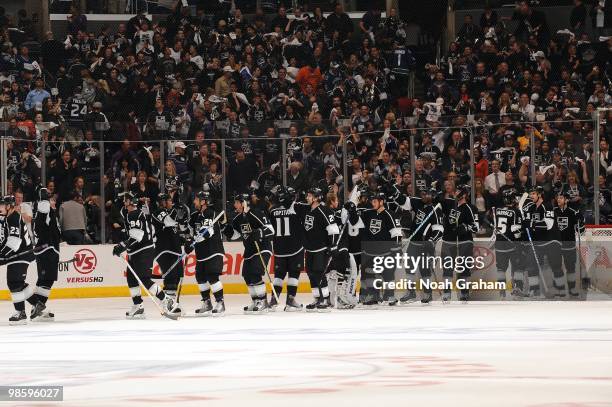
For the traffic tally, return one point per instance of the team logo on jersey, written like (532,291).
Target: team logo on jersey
(375,226)
(562,222)
(453,216)
(245,228)
(308,222)
(420,216)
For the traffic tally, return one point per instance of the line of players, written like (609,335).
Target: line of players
(319,235)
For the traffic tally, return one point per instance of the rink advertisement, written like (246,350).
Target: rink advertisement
(95,272)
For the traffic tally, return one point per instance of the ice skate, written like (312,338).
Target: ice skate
(273,303)
(39,314)
(502,295)
(292,305)
(408,298)
(171,306)
(324,305)
(258,306)
(390,301)
(464,297)
(369,302)
(205,310)
(446,298)
(426,299)
(136,312)
(312,307)
(18,318)
(219,309)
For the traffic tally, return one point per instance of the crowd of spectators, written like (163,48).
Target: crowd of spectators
(224,91)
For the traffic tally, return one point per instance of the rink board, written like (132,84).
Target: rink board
(97,273)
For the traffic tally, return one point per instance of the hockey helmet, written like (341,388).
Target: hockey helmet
(537,188)
(8,200)
(378,195)
(163,196)
(204,196)
(131,199)
(317,193)
(463,191)
(242,198)
(509,196)
(564,193)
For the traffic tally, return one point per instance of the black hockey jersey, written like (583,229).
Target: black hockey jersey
(46,230)
(244,224)
(432,229)
(16,239)
(167,238)
(540,220)
(140,232)
(211,245)
(381,232)
(508,222)
(320,228)
(567,222)
(460,222)
(288,237)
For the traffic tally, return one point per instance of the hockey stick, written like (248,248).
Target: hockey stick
(494,234)
(153,299)
(537,260)
(263,263)
(424,221)
(14,256)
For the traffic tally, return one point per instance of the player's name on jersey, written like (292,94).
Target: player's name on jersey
(421,284)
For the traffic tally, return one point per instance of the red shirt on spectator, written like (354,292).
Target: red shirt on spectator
(307,75)
(481,169)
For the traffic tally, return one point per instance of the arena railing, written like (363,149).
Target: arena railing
(110,162)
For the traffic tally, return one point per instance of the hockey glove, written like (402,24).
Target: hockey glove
(255,236)
(331,251)
(118,249)
(206,231)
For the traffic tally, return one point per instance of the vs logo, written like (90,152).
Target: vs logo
(86,261)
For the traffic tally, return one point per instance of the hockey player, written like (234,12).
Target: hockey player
(47,231)
(427,229)
(460,223)
(206,226)
(256,232)
(567,223)
(508,224)
(140,250)
(381,237)
(168,247)
(320,243)
(538,221)
(16,253)
(343,265)
(288,246)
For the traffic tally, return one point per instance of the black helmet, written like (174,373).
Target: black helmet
(242,197)
(8,200)
(316,192)
(463,191)
(509,196)
(284,194)
(131,198)
(538,188)
(43,194)
(564,194)
(378,195)
(204,196)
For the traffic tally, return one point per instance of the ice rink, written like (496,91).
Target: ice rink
(531,354)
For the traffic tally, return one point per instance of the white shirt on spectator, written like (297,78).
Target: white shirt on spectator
(492,185)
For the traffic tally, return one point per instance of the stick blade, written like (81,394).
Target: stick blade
(171,316)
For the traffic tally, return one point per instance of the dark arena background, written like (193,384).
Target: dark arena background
(306,202)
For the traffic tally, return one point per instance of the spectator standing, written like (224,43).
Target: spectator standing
(73,219)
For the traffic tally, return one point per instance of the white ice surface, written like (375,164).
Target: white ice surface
(532,354)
